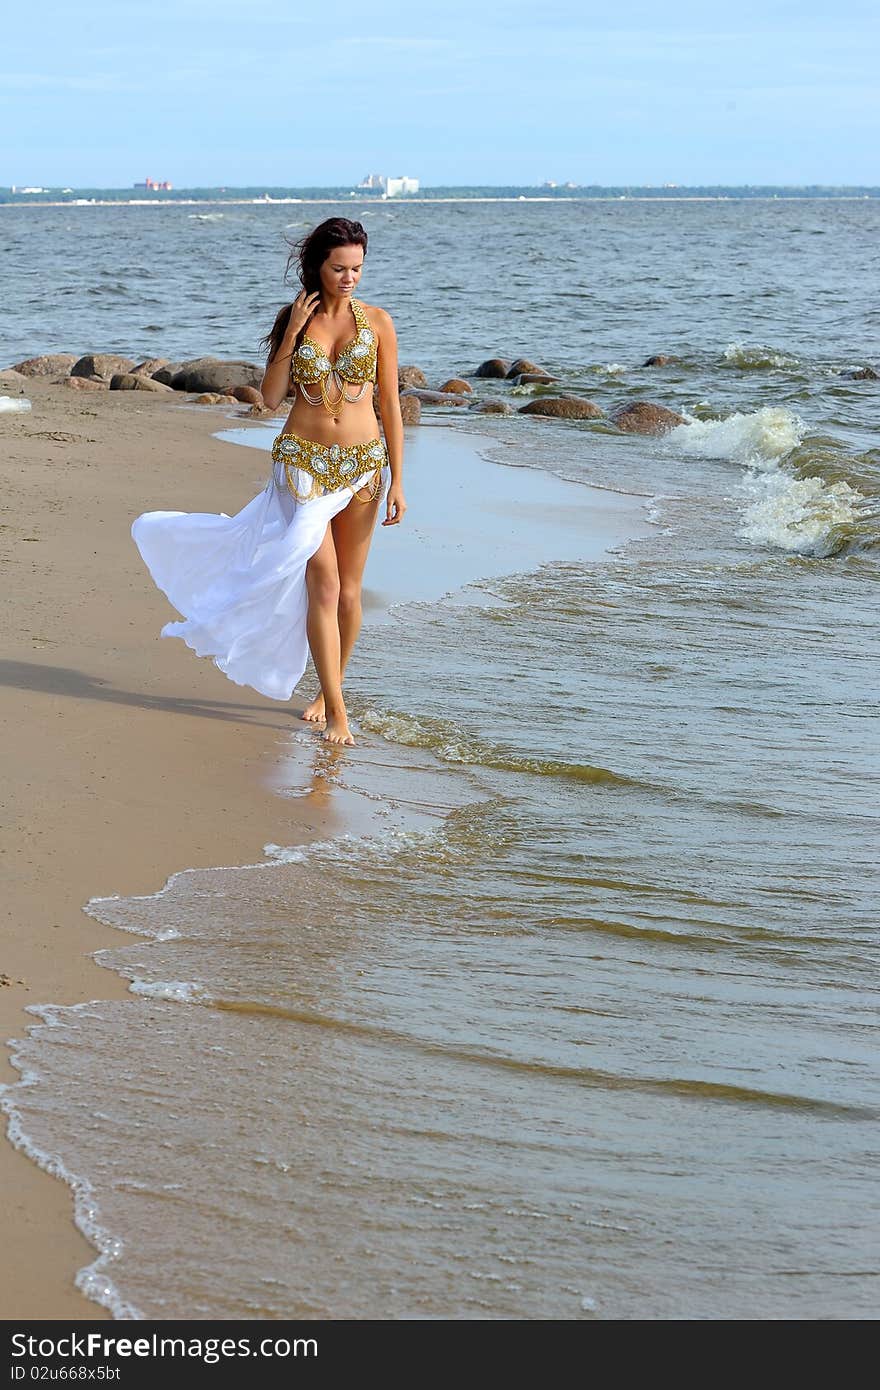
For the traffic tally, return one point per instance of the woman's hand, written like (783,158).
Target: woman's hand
(301,310)
(395,506)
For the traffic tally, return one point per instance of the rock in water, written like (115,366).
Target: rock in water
(493,367)
(410,376)
(660,360)
(434,397)
(521,365)
(492,408)
(457,386)
(643,417)
(563,408)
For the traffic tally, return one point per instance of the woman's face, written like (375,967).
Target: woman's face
(341,271)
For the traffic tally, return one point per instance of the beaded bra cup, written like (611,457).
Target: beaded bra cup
(356,362)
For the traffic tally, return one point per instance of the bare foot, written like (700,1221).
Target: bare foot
(337,730)
(315,711)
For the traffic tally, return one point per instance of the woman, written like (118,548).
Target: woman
(259,589)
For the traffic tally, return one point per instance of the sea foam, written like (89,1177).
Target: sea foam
(757,439)
(786,512)
(92,1281)
(752,359)
(800,515)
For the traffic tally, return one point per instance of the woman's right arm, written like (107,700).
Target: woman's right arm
(276,378)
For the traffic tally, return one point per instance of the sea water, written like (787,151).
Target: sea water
(584,1025)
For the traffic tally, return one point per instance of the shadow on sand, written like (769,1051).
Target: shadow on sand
(62,680)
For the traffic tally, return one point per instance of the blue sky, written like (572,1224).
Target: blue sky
(207,92)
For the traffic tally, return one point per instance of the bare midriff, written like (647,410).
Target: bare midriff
(356,424)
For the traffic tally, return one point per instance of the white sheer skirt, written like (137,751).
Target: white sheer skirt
(239,582)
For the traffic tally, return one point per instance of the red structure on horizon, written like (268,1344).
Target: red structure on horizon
(154,185)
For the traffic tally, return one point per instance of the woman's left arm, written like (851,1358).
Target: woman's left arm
(389,406)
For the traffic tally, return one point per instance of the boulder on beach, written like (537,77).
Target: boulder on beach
(563,408)
(84,383)
(660,359)
(434,397)
(410,376)
(214,374)
(521,365)
(52,364)
(130,381)
(215,398)
(492,408)
(150,366)
(532,379)
(260,411)
(644,417)
(103,364)
(457,386)
(167,373)
(249,395)
(410,410)
(495,367)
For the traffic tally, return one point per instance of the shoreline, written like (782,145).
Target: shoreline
(178,770)
(122,757)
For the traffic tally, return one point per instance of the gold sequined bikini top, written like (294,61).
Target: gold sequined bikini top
(356,362)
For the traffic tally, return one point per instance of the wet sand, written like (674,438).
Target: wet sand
(125,758)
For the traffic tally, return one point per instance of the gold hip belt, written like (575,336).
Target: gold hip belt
(329,467)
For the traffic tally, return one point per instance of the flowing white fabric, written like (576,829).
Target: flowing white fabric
(240,581)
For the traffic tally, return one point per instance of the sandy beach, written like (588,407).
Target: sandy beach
(125,759)
(98,730)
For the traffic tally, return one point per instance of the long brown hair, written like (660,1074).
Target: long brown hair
(310,252)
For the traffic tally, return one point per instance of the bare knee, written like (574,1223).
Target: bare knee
(349,598)
(323,585)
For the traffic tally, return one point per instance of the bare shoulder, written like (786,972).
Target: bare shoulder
(379,319)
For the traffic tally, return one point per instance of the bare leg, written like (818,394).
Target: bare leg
(352,533)
(352,530)
(322,627)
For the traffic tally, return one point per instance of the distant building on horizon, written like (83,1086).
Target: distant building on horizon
(389,187)
(155,186)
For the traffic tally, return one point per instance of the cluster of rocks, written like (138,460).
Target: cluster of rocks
(107,371)
(216,381)
(634,417)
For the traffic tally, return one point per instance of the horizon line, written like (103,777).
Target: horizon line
(547,186)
